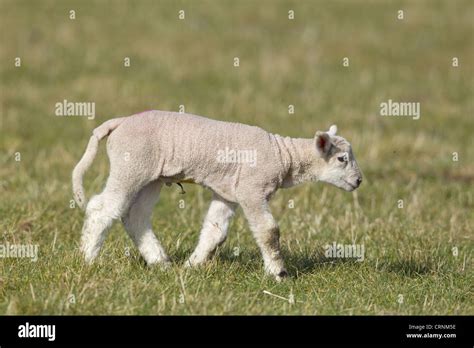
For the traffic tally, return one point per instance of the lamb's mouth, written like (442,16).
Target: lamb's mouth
(353,187)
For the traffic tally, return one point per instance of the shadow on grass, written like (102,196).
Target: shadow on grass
(306,263)
(297,263)
(408,268)
(300,264)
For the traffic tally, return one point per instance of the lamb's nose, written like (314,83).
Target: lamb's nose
(359,180)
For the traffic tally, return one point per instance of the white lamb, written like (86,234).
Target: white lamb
(154,148)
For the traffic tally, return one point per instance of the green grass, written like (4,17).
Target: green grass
(408,251)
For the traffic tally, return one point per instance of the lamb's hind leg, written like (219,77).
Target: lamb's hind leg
(101,211)
(137,222)
(214,230)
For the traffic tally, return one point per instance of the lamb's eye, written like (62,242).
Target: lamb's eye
(341,158)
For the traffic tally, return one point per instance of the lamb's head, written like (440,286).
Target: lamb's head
(339,166)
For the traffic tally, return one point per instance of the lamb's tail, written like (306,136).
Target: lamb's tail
(98,134)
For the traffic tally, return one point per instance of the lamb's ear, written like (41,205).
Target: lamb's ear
(332,130)
(323,143)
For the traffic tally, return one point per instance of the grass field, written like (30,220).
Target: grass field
(418,259)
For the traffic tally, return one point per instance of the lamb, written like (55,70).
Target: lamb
(153,148)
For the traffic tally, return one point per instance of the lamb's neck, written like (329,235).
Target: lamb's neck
(303,166)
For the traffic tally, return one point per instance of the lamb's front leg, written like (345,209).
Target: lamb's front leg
(214,230)
(267,234)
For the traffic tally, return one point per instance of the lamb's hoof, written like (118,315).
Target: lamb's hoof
(191,264)
(282,275)
(89,258)
(195,261)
